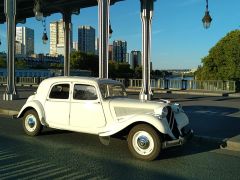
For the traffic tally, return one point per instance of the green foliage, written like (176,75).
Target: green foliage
(83,61)
(3,62)
(20,64)
(223,60)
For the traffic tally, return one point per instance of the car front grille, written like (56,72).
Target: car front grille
(172,122)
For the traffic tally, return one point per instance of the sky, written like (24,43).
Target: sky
(179,40)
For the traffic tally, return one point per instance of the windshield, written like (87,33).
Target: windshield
(112,90)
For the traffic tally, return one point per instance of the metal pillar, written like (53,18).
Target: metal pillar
(10,12)
(103,23)
(146,17)
(67,42)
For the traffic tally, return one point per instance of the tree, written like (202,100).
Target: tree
(223,60)
(3,63)
(83,61)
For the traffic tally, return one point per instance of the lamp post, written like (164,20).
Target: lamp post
(110,30)
(44,37)
(207,18)
(38,10)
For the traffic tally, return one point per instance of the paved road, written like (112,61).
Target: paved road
(66,155)
(217,117)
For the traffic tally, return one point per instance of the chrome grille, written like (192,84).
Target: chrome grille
(172,122)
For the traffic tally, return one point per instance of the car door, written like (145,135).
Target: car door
(86,109)
(57,105)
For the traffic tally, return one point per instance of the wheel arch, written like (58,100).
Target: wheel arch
(126,130)
(37,106)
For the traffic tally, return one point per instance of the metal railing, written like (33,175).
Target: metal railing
(211,85)
(171,84)
(23,81)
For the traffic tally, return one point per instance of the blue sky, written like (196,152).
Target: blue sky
(178,38)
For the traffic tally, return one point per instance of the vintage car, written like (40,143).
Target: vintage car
(101,107)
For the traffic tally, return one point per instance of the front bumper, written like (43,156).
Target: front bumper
(178,142)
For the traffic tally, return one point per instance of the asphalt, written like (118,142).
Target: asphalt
(215,117)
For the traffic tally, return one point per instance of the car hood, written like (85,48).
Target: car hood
(125,106)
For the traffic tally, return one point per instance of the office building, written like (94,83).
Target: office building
(86,39)
(135,59)
(24,41)
(75,46)
(97,46)
(110,52)
(120,51)
(57,38)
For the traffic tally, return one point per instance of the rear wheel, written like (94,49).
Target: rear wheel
(144,142)
(31,123)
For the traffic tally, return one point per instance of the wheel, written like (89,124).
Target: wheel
(144,142)
(31,123)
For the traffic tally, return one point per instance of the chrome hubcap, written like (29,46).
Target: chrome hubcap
(30,123)
(143,143)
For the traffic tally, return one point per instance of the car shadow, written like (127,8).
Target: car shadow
(49,132)
(190,148)
(214,121)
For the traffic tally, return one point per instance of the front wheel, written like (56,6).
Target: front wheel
(144,142)
(31,123)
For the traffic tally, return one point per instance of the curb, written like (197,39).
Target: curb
(172,91)
(7,112)
(232,144)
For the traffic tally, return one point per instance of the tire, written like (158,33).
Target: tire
(144,142)
(31,123)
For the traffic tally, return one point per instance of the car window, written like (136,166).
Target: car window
(84,92)
(59,91)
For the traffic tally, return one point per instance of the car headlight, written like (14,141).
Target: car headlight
(161,112)
(164,111)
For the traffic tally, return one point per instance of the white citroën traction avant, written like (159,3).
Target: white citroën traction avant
(101,107)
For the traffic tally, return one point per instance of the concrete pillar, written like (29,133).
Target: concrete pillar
(103,23)
(146,17)
(67,42)
(10,12)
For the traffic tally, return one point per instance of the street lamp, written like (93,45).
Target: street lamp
(110,30)
(44,37)
(37,10)
(207,18)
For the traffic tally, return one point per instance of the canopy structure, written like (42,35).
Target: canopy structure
(25,7)
(14,11)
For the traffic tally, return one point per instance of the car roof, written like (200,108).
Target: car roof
(78,78)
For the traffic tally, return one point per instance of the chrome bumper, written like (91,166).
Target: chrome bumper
(178,142)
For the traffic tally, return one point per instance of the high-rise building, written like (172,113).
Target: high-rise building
(57,38)
(86,39)
(97,46)
(120,51)
(136,59)
(25,41)
(75,45)
(110,52)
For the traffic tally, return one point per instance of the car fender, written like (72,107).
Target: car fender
(37,106)
(123,122)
